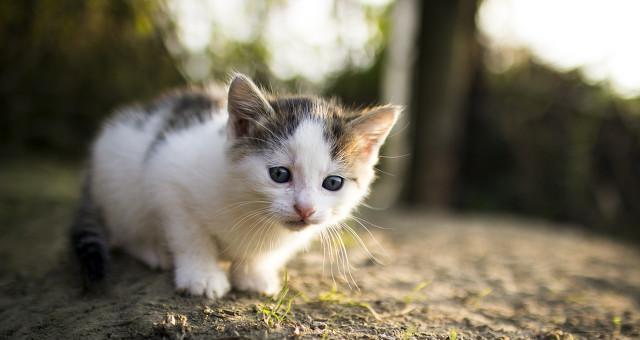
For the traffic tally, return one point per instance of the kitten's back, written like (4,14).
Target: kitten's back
(114,192)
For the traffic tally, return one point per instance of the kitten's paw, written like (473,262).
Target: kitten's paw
(212,283)
(265,282)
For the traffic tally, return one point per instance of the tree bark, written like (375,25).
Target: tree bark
(396,89)
(446,55)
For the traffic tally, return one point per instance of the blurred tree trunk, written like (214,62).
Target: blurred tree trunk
(446,56)
(396,88)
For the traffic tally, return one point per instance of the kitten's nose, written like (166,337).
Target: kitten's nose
(304,211)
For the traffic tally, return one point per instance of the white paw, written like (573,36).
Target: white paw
(210,282)
(260,281)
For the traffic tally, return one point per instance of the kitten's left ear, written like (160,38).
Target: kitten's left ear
(247,106)
(373,127)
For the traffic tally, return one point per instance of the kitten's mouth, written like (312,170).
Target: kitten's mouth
(297,224)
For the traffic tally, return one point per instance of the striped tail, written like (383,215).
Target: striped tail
(88,239)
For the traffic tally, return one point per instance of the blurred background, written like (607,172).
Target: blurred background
(527,107)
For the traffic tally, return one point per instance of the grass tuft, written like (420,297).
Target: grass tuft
(333,296)
(409,333)
(416,293)
(275,313)
(476,299)
(617,325)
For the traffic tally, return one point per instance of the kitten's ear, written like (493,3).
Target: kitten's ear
(247,106)
(373,127)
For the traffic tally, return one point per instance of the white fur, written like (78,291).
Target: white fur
(188,205)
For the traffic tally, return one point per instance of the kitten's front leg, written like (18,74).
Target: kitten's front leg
(195,259)
(257,276)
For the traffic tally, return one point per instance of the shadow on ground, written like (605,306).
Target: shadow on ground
(442,277)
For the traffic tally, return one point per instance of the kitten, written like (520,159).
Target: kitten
(196,178)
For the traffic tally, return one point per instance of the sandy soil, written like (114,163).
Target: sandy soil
(444,277)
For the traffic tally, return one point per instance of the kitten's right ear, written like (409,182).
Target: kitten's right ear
(247,106)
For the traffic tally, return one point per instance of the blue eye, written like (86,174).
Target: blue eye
(280,174)
(333,183)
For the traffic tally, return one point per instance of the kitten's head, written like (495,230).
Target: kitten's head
(310,159)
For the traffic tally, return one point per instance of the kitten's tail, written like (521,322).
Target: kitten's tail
(88,239)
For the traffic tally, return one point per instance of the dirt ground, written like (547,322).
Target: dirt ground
(442,277)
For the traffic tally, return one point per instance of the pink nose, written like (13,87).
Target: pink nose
(304,212)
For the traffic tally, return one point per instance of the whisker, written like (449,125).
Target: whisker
(375,240)
(394,157)
(231,206)
(256,225)
(324,253)
(346,266)
(369,222)
(268,224)
(249,215)
(363,245)
(368,206)
(331,255)
(338,258)
(349,266)
(384,172)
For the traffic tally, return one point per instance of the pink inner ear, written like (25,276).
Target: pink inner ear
(373,127)
(370,141)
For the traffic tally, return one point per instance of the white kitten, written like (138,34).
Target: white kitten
(196,178)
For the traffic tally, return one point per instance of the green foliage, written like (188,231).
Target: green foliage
(66,64)
(37,197)
(361,87)
(546,143)
(354,86)
(536,141)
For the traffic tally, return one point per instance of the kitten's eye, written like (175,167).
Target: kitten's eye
(333,183)
(280,174)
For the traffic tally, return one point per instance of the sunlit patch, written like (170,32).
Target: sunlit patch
(600,37)
(290,32)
